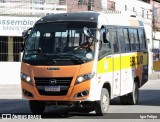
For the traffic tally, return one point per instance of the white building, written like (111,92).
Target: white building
(15,17)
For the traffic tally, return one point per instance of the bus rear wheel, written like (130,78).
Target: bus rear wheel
(134,95)
(131,98)
(37,107)
(101,107)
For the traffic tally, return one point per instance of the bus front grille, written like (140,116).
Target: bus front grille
(63,83)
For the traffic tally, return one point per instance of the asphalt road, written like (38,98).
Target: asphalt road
(149,104)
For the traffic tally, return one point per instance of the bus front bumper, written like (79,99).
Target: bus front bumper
(79,92)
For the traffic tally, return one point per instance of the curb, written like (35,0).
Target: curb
(154,76)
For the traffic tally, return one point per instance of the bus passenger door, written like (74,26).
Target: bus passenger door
(116,62)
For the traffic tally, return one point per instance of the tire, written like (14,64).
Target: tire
(101,107)
(123,100)
(37,107)
(134,95)
(88,107)
(131,98)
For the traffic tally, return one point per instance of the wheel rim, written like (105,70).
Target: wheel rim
(105,102)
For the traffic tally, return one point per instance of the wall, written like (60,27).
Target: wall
(73,5)
(10,73)
(157,15)
(14,26)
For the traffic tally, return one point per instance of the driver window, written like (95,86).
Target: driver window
(105,47)
(33,42)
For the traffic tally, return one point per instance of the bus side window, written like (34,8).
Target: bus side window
(104,43)
(142,39)
(121,38)
(106,40)
(126,40)
(114,39)
(132,41)
(136,40)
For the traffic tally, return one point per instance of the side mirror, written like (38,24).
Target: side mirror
(26,33)
(105,40)
(87,32)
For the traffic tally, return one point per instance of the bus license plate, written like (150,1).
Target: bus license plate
(52,88)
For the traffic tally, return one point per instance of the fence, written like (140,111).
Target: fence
(10,50)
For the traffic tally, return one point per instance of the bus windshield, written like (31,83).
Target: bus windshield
(61,43)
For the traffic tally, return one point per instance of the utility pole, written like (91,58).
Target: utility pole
(89,5)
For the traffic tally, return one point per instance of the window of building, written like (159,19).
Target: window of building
(133,9)
(63,2)
(143,13)
(147,1)
(125,7)
(3,49)
(38,1)
(10,50)
(2,1)
(155,12)
(92,1)
(80,2)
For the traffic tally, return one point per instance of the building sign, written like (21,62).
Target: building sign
(14,26)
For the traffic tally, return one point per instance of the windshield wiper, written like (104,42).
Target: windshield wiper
(37,51)
(75,58)
(62,56)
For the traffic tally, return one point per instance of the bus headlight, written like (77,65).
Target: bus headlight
(85,77)
(26,78)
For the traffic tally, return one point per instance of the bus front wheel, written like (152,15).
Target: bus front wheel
(37,107)
(101,107)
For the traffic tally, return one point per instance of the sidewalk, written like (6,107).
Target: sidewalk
(10,92)
(154,76)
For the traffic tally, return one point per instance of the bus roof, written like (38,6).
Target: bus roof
(122,19)
(71,16)
(90,16)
